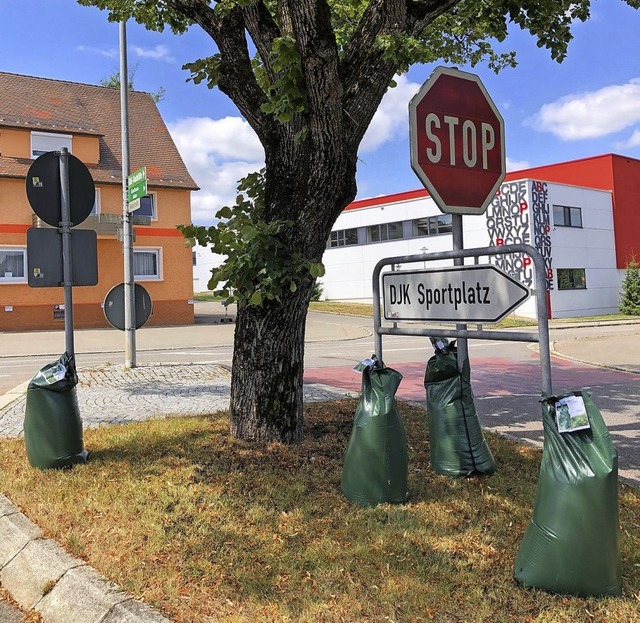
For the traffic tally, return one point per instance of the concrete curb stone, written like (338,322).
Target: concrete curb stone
(80,596)
(36,569)
(9,614)
(15,532)
(40,575)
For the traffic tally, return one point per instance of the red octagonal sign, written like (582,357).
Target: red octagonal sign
(457,141)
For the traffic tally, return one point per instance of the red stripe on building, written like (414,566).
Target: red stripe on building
(10,228)
(157,231)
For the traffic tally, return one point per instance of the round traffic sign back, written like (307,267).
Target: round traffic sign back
(114,306)
(44,189)
(457,141)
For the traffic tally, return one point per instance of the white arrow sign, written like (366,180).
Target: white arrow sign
(457,294)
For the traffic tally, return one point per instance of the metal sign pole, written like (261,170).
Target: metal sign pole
(458,245)
(542,308)
(127,227)
(67,269)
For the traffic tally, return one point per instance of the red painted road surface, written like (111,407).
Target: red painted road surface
(492,376)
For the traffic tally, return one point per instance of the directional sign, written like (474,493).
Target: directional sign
(456,294)
(457,141)
(136,188)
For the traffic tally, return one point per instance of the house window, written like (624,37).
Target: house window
(194,258)
(385,231)
(148,206)
(343,238)
(96,203)
(565,216)
(13,265)
(42,142)
(571,279)
(147,264)
(431,225)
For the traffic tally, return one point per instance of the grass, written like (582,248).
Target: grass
(208,528)
(343,308)
(206,296)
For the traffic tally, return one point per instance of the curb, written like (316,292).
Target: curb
(13,394)
(41,576)
(606,366)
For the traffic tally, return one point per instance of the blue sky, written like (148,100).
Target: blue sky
(588,105)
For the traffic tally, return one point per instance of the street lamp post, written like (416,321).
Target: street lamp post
(127,227)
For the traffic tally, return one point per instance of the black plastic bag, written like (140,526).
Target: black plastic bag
(457,443)
(571,543)
(52,423)
(376,463)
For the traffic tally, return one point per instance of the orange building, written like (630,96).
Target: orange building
(39,115)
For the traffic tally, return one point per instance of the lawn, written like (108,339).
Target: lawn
(208,528)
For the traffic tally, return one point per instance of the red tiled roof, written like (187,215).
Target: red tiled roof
(43,104)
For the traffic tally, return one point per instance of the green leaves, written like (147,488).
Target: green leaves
(287,95)
(260,266)
(630,295)
(205,69)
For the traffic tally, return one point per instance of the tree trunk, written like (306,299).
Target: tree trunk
(268,367)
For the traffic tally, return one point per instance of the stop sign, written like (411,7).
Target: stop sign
(457,141)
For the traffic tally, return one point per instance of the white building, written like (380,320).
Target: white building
(573,226)
(204,261)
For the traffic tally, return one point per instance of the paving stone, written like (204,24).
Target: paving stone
(106,396)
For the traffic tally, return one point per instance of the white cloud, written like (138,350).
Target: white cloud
(592,114)
(159,53)
(517,165)
(633,141)
(108,52)
(217,152)
(392,117)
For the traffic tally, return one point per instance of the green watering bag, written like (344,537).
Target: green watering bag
(571,543)
(457,444)
(376,463)
(52,424)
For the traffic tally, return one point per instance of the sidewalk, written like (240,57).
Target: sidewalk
(214,327)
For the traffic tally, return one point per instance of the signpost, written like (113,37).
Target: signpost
(481,333)
(114,311)
(457,141)
(44,189)
(136,188)
(459,294)
(44,258)
(457,150)
(61,192)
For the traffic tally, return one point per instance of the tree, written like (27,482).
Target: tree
(113,82)
(310,90)
(630,297)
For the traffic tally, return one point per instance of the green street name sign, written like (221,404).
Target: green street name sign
(136,188)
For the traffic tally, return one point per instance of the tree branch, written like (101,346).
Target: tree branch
(263,30)
(237,80)
(311,21)
(366,73)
